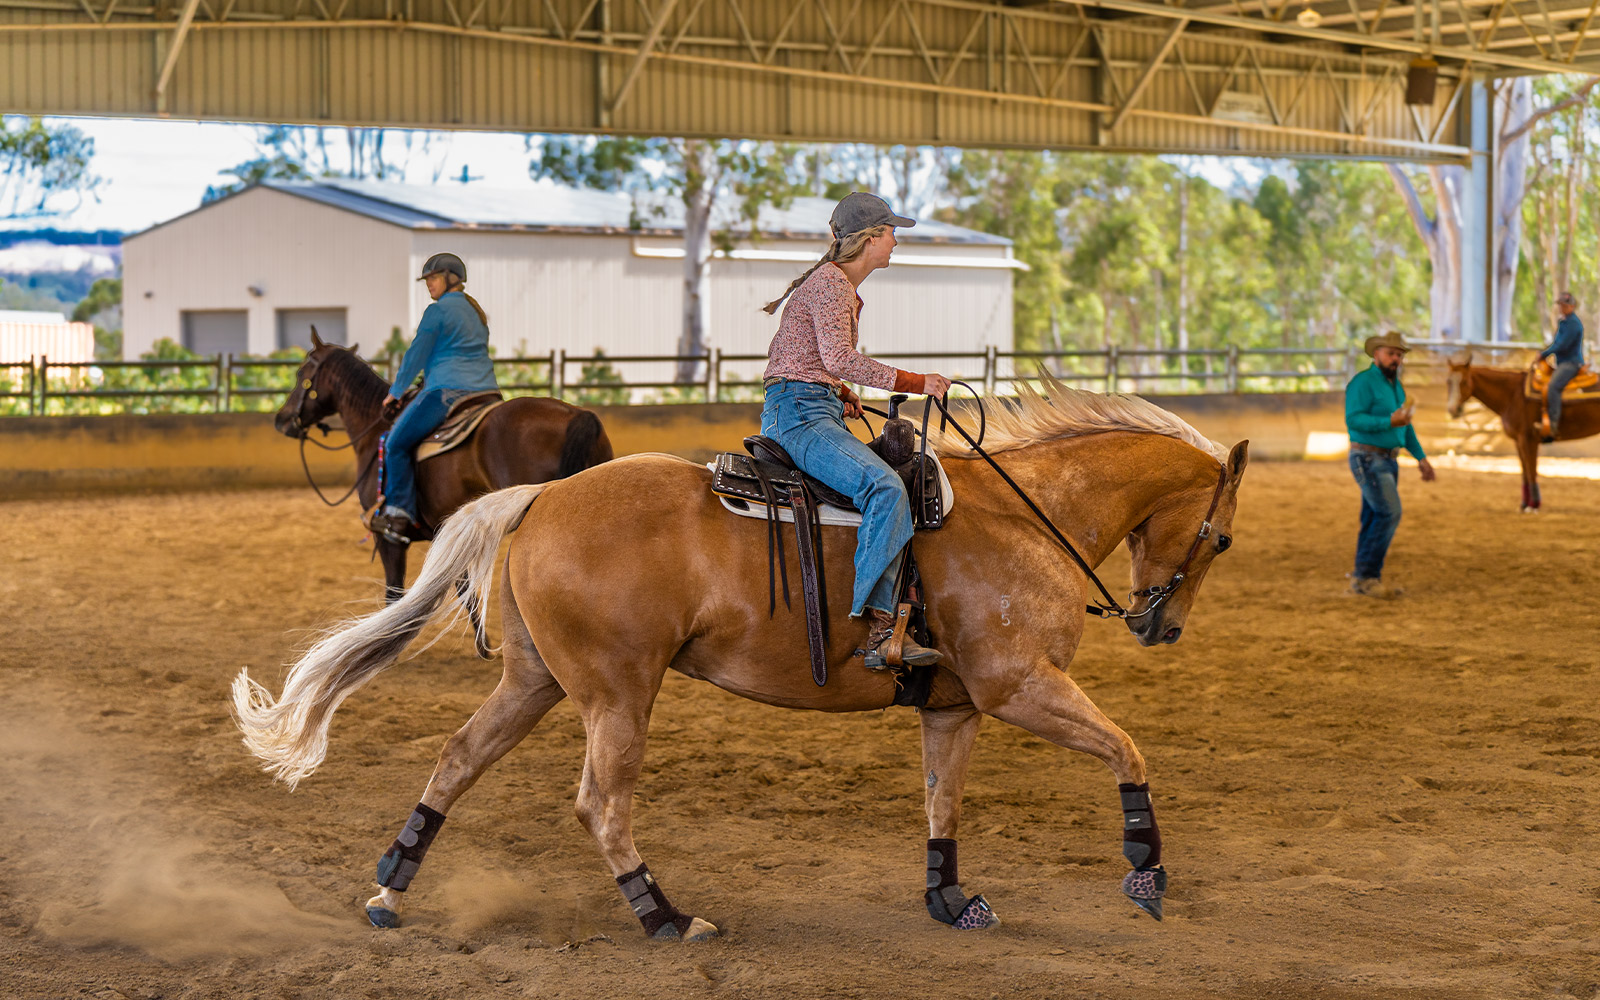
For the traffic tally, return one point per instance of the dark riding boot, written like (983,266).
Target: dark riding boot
(391,522)
(879,654)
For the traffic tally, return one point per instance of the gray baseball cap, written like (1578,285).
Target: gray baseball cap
(860,210)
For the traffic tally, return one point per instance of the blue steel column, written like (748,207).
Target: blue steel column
(1477,210)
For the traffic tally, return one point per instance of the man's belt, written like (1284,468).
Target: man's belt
(1374,449)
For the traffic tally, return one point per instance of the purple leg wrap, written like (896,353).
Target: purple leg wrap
(399,864)
(660,918)
(944,898)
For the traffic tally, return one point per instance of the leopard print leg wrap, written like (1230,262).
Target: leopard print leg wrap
(399,864)
(944,898)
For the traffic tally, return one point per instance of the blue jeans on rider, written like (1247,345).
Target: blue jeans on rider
(807,419)
(419,419)
(1379,479)
(1558,381)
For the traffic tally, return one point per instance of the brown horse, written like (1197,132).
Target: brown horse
(525,440)
(628,570)
(1501,390)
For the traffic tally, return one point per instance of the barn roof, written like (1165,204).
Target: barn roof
(547,207)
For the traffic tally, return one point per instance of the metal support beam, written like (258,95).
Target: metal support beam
(645,48)
(174,47)
(1149,74)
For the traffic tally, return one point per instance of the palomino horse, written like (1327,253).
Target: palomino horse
(632,568)
(524,440)
(1501,390)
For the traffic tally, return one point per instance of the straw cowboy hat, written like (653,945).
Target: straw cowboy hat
(1390,339)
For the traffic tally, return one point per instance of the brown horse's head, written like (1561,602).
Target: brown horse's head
(1173,548)
(1460,383)
(310,402)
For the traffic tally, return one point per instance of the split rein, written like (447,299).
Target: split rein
(305,435)
(1157,595)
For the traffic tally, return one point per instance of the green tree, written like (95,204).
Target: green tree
(722,185)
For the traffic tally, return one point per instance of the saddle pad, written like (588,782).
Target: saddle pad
(458,426)
(826,513)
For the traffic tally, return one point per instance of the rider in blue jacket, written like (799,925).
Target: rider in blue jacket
(1567,350)
(451,353)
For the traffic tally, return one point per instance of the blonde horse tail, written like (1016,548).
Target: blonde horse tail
(291,733)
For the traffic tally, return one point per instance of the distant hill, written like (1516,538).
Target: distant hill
(53,269)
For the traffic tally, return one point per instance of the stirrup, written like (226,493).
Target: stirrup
(380,522)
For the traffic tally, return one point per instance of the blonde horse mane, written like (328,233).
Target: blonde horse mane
(1060,411)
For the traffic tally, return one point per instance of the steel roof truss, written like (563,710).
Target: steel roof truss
(1529,29)
(922,45)
(744,29)
(1227,79)
(1449,107)
(961,53)
(657,26)
(688,19)
(1148,74)
(877,36)
(1266,91)
(1105,64)
(1305,84)
(1582,31)
(1027,57)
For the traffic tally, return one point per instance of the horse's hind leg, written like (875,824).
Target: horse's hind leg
(525,693)
(480,636)
(1047,703)
(947,738)
(605,807)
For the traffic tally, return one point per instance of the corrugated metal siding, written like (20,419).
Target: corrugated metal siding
(422,78)
(57,341)
(303,255)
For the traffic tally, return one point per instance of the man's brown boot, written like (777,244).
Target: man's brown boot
(879,641)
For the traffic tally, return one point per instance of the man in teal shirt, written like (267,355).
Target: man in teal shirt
(1379,421)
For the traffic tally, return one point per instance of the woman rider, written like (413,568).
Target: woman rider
(811,357)
(451,352)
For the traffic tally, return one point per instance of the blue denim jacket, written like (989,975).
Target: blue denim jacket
(1568,345)
(450,350)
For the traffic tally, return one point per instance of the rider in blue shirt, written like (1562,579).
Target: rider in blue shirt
(1567,349)
(451,353)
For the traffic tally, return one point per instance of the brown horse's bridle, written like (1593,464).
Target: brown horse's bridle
(1157,595)
(308,378)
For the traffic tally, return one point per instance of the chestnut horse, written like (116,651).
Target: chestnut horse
(524,440)
(1501,390)
(633,568)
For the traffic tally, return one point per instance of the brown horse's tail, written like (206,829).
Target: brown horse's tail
(291,733)
(580,450)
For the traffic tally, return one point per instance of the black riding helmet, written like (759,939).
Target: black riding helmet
(444,263)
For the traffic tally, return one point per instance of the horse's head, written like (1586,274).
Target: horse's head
(310,402)
(1460,384)
(1173,548)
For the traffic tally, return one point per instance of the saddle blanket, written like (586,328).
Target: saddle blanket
(458,425)
(827,513)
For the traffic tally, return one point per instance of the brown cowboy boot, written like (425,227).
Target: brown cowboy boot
(879,651)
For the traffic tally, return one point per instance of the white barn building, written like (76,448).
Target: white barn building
(555,269)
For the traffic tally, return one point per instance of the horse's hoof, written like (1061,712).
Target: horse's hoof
(977,916)
(383,917)
(1145,887)
(698,930)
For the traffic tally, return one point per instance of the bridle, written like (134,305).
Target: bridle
(307,389)
(1157,595)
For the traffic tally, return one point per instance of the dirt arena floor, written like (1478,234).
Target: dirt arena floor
(1358,799)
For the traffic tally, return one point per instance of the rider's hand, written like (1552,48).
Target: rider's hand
(1400,417)
(935,385)
(1428,475)
(391,406)
(852,402)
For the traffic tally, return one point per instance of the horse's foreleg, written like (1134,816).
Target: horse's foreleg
(525,693)
(947,738)
(605,808)
(1048,704)
(393,558)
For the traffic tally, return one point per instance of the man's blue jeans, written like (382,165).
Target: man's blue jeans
(419,419)
(1558,381)
(1379,479)
(807,419)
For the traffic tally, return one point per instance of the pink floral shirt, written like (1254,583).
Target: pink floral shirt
(817,335)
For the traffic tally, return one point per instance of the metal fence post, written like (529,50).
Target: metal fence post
(44,385)
(33,380)
(558,373)
(1352,357)
(1111,368)
(991,362)
(224,382)
(1231,381)
(714,375)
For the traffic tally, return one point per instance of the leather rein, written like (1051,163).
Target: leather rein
(1157,595)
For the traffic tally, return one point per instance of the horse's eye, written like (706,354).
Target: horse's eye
(1223,541)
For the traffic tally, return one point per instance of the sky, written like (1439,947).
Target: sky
(155,170)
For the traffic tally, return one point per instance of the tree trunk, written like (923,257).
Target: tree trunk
(1516,107)
(1181,309)
(698,198)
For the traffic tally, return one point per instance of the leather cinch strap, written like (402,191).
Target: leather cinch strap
(805,533)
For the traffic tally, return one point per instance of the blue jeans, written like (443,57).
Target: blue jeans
(808,421)
(1379,479)
(1558,381)
(419,419)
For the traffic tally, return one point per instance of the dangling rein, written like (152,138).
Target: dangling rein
(1110,608)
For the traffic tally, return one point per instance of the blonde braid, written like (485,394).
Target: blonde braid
(842,251)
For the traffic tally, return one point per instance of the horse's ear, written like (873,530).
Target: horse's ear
(353,348)
(1462,360)
(1238,458)
(316,341)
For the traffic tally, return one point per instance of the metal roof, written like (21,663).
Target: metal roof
(547,207)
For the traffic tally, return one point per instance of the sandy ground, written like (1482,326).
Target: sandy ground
(1358,799)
